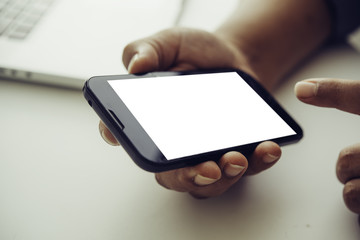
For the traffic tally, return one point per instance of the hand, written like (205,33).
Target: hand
(180,49)
(186,49)
(343,95)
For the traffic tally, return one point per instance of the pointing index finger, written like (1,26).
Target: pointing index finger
(325,92)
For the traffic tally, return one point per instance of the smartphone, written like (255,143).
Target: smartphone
(169,120)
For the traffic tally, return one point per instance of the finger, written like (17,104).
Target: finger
(266,154)
(206,179)
(337,93)
(233,166)
(189,179)
(348,165)
(107,135)
(157,52)
(351,194)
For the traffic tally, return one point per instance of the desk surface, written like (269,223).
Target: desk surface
(59,180)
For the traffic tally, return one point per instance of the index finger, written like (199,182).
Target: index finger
(342,94)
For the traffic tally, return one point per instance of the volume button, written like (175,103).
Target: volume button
(117,120)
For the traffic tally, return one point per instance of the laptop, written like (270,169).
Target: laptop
(65,42)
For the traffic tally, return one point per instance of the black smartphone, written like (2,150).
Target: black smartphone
(169,120)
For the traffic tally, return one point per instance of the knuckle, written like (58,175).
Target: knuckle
(344,157)
(348,155)
(340,93)
(343,165)
(348,165)
(330,92)
(351,195)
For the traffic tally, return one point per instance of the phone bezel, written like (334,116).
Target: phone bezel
(137,143)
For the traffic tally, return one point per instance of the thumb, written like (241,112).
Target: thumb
(326,92)
(140,57)
(154,53)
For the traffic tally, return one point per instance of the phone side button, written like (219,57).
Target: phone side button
(117,120)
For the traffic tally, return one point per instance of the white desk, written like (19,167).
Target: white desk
(59,180)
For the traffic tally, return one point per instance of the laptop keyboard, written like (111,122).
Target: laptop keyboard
(19,17)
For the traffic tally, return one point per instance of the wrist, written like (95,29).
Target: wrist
(272,39)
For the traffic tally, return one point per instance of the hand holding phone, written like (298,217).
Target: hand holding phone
(169,120)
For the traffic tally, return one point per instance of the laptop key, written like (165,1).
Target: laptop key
(19,17)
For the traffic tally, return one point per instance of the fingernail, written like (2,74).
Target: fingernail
(106,139)
(203,181)
(305,89)
(269,158)
(132,61)
(232,170)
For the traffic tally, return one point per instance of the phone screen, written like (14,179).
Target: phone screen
(186,115)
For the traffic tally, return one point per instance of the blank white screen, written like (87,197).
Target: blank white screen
(191,114)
